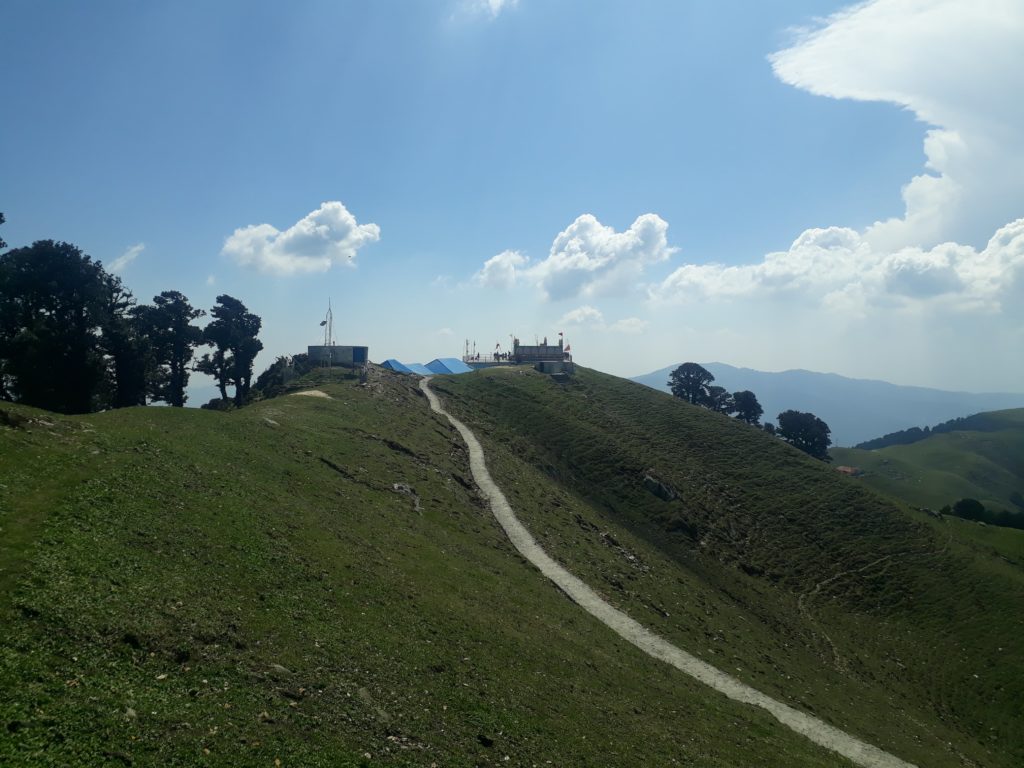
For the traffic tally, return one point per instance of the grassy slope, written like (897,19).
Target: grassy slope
(768,564)
(942,468)
(156,563)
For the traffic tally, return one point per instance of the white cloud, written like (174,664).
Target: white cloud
(842,270)
(591,259)
(591,318)
(630,325)
(492,8)
(445,332)
(501,271)
(957,66)
(117,265)
(327,236)
(586,259)
(211,279)
(585,315)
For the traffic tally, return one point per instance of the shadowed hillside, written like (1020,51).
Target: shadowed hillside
(315,580)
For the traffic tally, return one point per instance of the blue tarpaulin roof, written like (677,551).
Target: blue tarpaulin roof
(439,365)
(448,365)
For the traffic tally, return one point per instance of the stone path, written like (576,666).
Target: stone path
(818,731)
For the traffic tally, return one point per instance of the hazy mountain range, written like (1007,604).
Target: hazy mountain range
(855,409)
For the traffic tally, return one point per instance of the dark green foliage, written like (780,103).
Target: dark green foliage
(690,382)
(746,407)
(717,399)
(769,428)
(168,325)
(806,432)
(72,339)
(232,333)
(978,422)
(972,509)
(127,348)
(272,381)
(55,303)
(218,404)
(902,437)
(2,220)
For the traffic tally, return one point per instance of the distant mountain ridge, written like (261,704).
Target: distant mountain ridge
(856,410)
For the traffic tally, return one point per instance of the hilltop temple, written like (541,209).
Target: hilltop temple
(545,357)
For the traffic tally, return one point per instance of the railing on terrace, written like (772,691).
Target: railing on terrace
(507,358)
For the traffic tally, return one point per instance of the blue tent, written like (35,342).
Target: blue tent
(419,368)
(394,365)
(448,365)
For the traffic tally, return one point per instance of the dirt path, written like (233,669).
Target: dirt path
(819,732)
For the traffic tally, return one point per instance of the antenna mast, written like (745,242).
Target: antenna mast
(329,326)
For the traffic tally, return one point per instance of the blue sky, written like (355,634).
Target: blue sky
(777,185)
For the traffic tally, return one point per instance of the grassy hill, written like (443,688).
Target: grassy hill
(987,465)
(802,581)
(315,581)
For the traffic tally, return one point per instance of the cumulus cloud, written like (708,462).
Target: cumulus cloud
(327,236)
(587,316)
(586,259)
(118,265)
(591,259)
(842,270)
(501,271)
(958,67)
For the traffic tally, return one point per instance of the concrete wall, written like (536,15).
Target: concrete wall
(555,366)
(339,355)
(532,354)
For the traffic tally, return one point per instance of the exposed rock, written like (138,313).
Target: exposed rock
(408,490)
(662,490)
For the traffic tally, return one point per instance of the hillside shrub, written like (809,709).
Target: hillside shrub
(972,509)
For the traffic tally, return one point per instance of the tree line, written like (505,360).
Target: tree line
(73,339)
(972,509)
(693,383)
(978,422)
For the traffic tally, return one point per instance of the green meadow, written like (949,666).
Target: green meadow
(985,465)
(315,582)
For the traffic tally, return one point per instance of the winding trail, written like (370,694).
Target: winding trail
(816,730)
